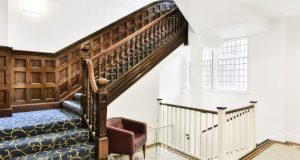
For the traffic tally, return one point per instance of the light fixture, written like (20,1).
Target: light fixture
(34,6)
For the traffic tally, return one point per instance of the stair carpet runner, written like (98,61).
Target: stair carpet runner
(55,134)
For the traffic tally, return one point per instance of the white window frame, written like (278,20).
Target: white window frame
(215,73)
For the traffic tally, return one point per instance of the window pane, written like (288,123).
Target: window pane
(232,64)
(207,68)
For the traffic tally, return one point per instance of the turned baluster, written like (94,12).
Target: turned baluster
(123,58)
(154,36)
(158,32)
(160,42)
(168,27)
(142,46)
(137,46)
(88,103)
(173,25)
(151,38)
(117,62)
(111,66)
(92,111)
(164,31)
(99,67)
(132,51)
(181,22)
(128,54)
(105,66)
(147,42)
(177,23)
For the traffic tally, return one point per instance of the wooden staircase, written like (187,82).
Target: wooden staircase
(107,75)
(88,75)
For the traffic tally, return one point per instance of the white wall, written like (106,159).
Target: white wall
(266,69)
(139,102)
(164,81)
(171,71)
(63,21)
(4,22)
(292,82)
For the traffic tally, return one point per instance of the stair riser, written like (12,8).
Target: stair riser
(31,145)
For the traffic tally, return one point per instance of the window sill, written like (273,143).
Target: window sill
(227,91)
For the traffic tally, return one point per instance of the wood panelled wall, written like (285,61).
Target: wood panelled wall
(34,80)
(5,60)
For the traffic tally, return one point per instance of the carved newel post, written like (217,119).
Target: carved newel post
(84,56)
(101,120)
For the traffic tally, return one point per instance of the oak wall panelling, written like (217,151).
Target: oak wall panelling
(5,104)
(33,78)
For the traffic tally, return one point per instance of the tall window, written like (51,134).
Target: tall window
(207,68)
(231,65)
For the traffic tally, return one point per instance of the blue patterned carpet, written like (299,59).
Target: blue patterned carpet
(35,118)
(45,135)
(38,122)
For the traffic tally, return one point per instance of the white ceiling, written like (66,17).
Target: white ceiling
(232,18)
(275,9)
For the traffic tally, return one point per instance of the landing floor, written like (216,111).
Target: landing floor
(163,154)
(278,151)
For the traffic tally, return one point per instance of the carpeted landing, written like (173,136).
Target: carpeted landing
(55,134)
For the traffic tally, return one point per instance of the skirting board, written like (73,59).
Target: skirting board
(293,138)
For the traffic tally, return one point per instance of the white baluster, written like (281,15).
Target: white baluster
(252,125)
(222,133)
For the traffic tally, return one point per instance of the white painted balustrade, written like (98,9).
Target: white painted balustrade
(206,134)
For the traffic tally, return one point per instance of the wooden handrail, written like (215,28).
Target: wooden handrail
(91,75)
(231,118)
(118,44)
(239,109)
(190,108)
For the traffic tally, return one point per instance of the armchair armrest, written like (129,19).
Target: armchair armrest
(123,140)
(134,126)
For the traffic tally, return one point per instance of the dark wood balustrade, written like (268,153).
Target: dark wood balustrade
(108,74)
(140,52)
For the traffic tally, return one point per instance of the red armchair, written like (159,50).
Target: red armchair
(126,136)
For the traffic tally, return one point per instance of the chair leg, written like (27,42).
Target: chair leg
(130,157)
(144,151)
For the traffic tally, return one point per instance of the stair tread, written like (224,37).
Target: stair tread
(73,106)
(83,151)
(33,144)
(37,122)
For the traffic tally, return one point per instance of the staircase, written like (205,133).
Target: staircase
(108,66)
(46,134)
